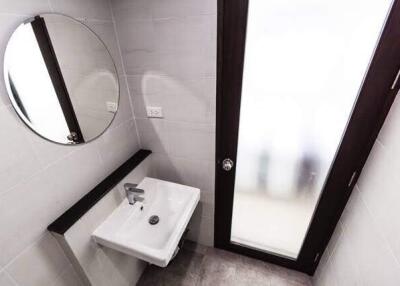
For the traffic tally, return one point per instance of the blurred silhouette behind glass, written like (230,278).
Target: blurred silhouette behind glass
(302,71)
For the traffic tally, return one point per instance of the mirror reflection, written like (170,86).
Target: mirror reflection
(61,79)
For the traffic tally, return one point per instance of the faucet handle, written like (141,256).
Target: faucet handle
(132,188)
(129,186)
(133,193)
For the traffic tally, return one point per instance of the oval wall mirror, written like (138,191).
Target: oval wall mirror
(61,79)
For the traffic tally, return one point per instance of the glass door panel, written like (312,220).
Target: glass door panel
(304,64)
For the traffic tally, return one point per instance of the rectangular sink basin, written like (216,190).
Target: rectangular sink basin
(128,229)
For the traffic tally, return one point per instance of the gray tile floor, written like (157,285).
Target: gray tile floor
(197,265)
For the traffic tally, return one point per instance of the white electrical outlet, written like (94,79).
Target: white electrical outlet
(112,106)
(154,111)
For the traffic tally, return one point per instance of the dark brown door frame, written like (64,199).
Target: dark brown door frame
(53,67)
(375,99)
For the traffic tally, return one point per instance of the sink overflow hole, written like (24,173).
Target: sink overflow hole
(154,219)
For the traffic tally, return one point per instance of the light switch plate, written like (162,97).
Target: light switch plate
(154,111)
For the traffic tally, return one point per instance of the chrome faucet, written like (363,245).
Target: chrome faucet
(133,193)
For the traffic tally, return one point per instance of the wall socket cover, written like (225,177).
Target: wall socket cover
(154,111)
(112,106)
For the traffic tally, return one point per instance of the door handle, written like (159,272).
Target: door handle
(227,164)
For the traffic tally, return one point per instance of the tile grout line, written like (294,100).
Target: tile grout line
(378,229)
(356,271)
(27,248)
(124,70)
(328,260)
(93,20)
(10,277)
(380,143)
(16,14)
(185,158)
(50,6)
(48,166)
(165,75)
(42,170)
(339,224)
(208,124)
(63,271)
(168,18)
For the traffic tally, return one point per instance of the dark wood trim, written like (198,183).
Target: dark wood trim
(53,67)
(374,102)
(229,86)
(372,106)
(74,213)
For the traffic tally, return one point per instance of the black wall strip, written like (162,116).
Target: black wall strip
(73,214)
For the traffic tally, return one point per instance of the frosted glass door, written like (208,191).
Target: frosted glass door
(304,64)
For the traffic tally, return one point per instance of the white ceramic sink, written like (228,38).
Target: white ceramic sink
(128,229)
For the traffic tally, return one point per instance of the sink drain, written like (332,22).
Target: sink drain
(154,219)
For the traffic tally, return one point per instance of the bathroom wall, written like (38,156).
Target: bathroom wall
(365,248)
(169,54)
(40,180)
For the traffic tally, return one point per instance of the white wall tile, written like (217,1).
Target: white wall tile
(5,280)
(105,30)
(68,278)
(323,277)
(121,269)
(188,100)
(124,112)
(135,35)
(84,9)
(172,35)
(82,171)
(118,144)
(139,96)
(18,159)
(182,65)
(138,62)
(191,140)
(380,177)
(37,202)
(27,7)
(201,230)
(40,264)
(367,252)
(85,251)
(325,265)
(344,263)
(48,152)
(207,203)
(183,8)
(153,135)
(192,172)
(367,248)
(133,10)
(32,210)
